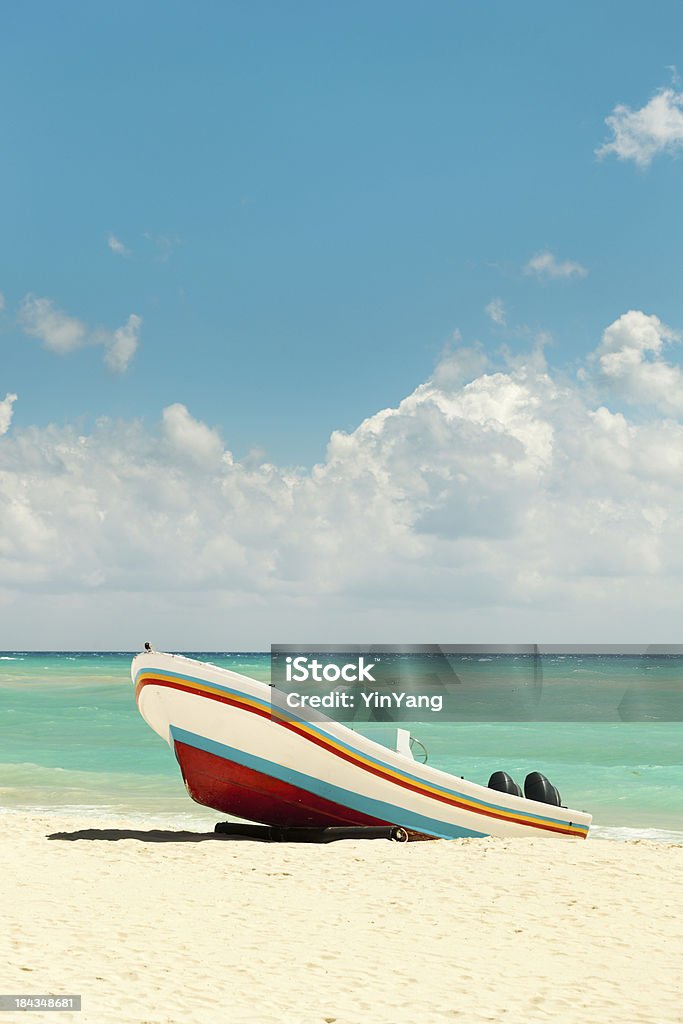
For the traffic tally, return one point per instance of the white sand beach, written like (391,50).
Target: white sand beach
(248,933)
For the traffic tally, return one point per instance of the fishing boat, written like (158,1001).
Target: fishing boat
(244,752)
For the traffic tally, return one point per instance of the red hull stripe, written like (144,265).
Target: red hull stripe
(237,789)
(308,731)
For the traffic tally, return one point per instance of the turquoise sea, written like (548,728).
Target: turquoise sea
(72,741)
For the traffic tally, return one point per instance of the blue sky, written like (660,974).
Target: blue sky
(316,196)
(242,239)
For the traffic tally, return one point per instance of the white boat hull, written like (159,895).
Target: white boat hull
(243,753)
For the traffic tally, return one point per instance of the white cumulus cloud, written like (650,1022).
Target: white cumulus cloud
(545,265)
(497,500)
(191,437)
(630,357)
(640,135)
(61,333)
(6,410)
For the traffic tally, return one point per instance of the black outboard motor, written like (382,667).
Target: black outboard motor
(537,787)
(504,783)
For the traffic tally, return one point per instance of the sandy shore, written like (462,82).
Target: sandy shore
(241,932)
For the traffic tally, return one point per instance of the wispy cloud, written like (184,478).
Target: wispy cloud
(640,135)
(495,310)
(546,265)
(117,246)
(157,248)
(2,302)
(122,345)
(62,333)
(6,410)
(164,245)
(58,331)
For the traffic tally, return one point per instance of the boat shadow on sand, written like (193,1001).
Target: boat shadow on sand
(154,835)
(234,832)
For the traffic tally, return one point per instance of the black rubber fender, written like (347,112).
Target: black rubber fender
(504,783)
(537,787)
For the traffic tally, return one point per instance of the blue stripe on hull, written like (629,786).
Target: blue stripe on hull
(373,808)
